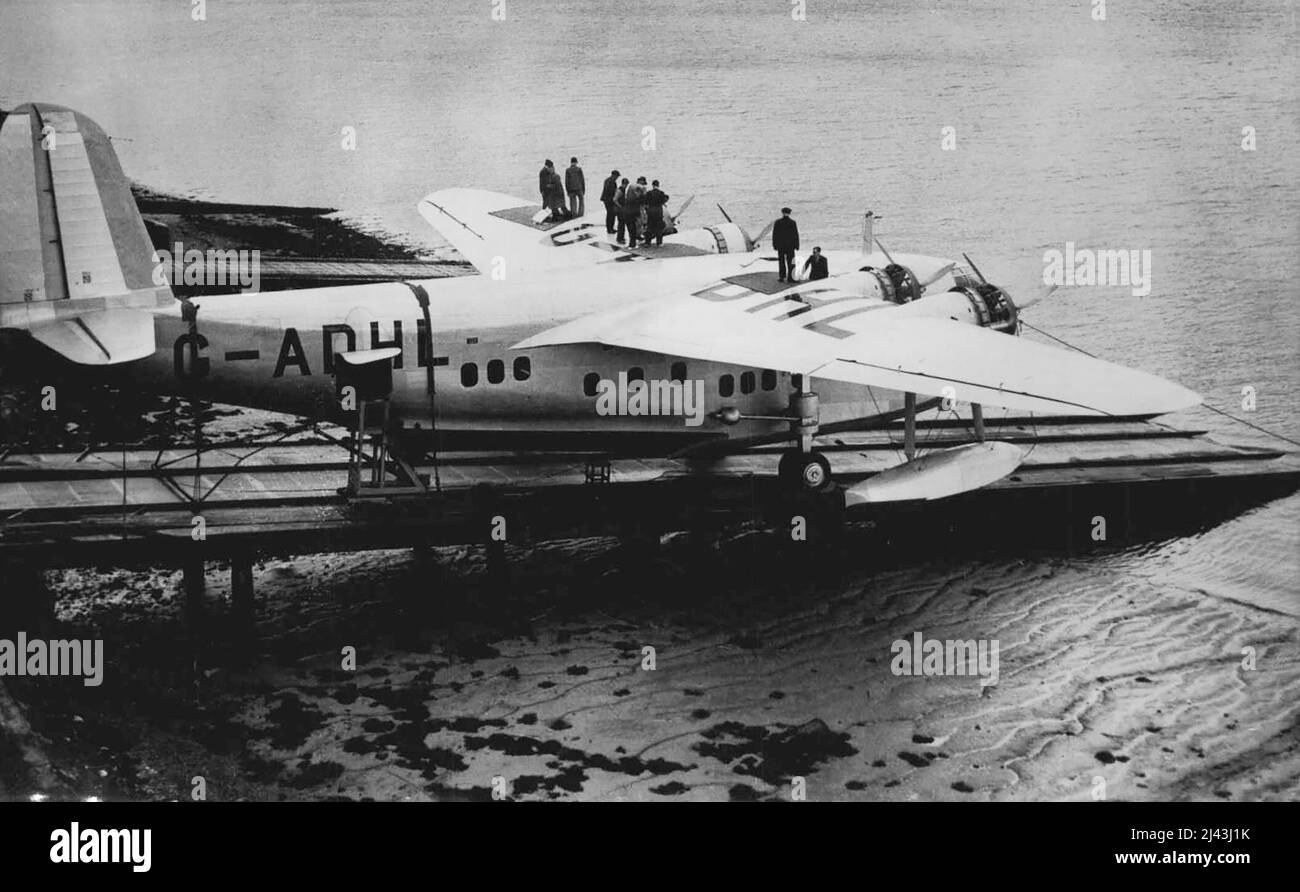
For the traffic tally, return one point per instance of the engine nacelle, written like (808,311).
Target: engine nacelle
(971,303)
(897,283)
(992,306)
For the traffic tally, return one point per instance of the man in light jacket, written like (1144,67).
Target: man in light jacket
(576,185)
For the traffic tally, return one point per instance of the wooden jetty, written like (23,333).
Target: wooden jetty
(235,501)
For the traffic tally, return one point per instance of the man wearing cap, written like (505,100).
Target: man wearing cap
(620,202)
(607,198)
(655,200)
(785,238)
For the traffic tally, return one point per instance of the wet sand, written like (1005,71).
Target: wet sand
(761,677)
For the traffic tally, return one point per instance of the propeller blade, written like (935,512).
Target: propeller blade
(753,242)
(942,271)
(883,250)
(681,210)
(1042,295)
(975,269)
(724,212)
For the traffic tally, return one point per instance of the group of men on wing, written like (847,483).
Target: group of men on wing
(554,189)
(638,211)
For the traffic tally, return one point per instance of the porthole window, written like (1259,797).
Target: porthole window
(523,368)
(496,371)
(636,373)
(591,383)
(726,385)
(769,379)
(678,372)
(747,382)
(469,374)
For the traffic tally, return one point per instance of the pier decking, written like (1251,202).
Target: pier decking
(61,509)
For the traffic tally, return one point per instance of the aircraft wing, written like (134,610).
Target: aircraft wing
(930,356)
(484,226)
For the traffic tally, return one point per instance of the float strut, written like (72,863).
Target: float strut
(909,426)
(241,592)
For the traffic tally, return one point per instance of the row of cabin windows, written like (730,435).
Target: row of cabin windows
(726,383)
(591,382)
(748,382)
(496,371)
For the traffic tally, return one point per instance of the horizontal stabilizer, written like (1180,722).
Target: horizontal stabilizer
(100,337)
(938,475)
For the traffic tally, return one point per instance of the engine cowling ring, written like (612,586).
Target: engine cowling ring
(993,306)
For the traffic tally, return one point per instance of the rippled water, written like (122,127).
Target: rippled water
(1118,134)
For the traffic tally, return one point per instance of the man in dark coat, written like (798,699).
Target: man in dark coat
(620,203)
(654,205)
(576,185)
(816,260)
(544,182)
(607,193)
(785,238)
(552,188)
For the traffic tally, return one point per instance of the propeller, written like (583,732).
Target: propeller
(672,218)
(750,243)
(975,269)
(1043,293)
(926,282)
(937,275)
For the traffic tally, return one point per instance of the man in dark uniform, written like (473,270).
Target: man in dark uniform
(785,238)
(655,200)
(620,202)
(607,198)
(816,260)
(544,183)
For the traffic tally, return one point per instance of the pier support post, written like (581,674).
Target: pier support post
(242,605)
(25,605)
(193,583)
(498,567)
(977,416)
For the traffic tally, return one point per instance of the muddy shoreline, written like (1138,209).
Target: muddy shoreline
(766,670)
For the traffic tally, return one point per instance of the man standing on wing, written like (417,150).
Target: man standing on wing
(785,238)
(576,185)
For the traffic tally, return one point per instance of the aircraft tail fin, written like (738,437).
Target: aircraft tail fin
(76,262)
